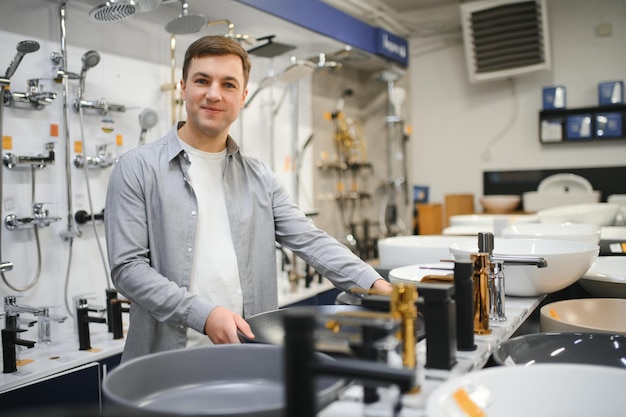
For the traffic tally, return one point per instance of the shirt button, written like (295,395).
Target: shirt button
(188,250)
(193,212)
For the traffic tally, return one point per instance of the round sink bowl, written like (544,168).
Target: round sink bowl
(606,277)
(221,380)
(567,231)
(602,214)
(603,315)
(567,260)
(538,390)
(399,251)
(503,203)
(582,348)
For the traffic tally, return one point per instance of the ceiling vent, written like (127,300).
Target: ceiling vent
(505,38)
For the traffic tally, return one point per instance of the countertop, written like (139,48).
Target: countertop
(62,354)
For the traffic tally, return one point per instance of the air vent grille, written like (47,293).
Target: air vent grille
(505,38)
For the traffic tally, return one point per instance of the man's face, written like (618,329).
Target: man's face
(214,92)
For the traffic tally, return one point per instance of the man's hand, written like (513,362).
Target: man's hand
(382,287)
(222,324)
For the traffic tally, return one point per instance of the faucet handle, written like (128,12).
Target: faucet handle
(485,242)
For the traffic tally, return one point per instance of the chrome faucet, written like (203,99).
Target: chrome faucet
(101,106)
(36,96)
(39,218)
(11,160)
(44,319)
(496,274)
(103,159)
(12,312)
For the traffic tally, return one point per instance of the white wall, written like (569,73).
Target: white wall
(456,122)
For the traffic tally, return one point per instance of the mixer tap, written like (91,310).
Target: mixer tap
(11,160)
(103,159)
(13,310)
(41,217)
(35,96)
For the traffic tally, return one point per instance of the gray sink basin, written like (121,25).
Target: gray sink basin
(244,380)
(577,348)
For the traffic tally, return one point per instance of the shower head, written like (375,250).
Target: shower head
(269,48)
(113,10)
(148,118)
(186,23)
(23,48)
(90,59)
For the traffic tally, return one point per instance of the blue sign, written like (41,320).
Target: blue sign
(392,46)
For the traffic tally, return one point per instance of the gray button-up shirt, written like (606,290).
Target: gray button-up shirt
(150,221)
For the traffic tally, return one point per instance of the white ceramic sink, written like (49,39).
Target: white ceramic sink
(538,390)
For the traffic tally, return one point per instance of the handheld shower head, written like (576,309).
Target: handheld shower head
(23,48)
(113,10)
(148,118)
(90,59)
(186,23)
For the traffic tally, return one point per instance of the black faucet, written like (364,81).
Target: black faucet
(114,313)
(82,321)
(9,341)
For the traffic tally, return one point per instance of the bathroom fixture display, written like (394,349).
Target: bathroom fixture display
(148,118)
(113,11)
(186,23)
(23,48)
(390,213)
(40,217)
(10,160)
(103,159)
(36,96)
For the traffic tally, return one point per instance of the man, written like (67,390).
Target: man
(191,223)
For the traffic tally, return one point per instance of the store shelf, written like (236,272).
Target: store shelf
(582,125)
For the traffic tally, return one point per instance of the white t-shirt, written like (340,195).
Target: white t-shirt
(215,275)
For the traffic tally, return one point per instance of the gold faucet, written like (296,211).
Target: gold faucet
(403,309)
(482,307)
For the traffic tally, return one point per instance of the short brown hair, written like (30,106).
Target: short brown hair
(217,45)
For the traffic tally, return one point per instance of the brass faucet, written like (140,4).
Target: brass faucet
(482,270)
(403,309)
